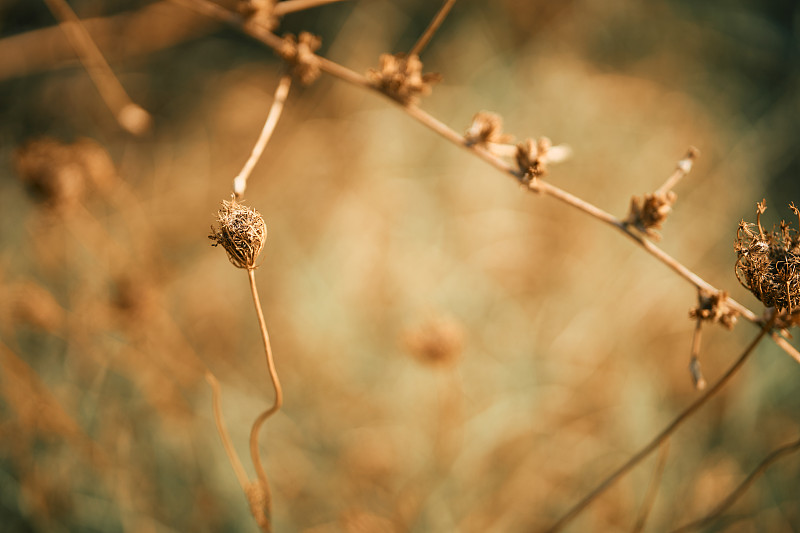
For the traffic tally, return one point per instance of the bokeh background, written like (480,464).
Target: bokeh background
(567,346)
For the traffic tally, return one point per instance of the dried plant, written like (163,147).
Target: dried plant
(242,233)
(768,265)
(400,77)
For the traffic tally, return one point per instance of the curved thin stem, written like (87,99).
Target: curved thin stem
(233,457)
(426,37)
(273,374)
(575,510)
(652,489)
(742,488)
(240,181)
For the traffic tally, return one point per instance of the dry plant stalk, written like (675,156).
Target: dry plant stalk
(400,78)
(645,451)
(729,500)
(242,233)
(240,181)
(129,115)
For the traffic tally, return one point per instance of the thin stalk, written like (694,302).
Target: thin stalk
(345,74)
(684,167)
(129,115)
(291,6)
(339,71)
(233,457)
(652,489)
(575,510)
(425,38)
(273,374)
(240,181)
(742,488)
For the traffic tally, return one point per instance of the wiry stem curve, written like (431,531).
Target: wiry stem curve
(576,509)
(273,374)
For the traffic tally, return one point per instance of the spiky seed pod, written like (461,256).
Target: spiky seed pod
(241,233)
(768,263)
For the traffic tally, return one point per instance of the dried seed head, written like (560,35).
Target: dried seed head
(768,263)
(486,128)
(299,53)
(400,77)
(60,173)
(50,172)
(241,232)
(713,307)
(438,341)
(648,213)
(532,157)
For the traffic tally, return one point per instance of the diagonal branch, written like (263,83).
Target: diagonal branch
(273,41)
(292,6)
(575,510)
(129,115)
(426,37)
(742,488)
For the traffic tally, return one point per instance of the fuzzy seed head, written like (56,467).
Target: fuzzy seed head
(768,263)
(241,233)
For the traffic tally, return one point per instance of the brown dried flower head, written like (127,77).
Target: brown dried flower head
(241,232)
(648,213)
(768,263)
(486,128)
(713,307)
(49,170)
(438,341)
(60,173)
(532,157)
(299,53)
(400,77)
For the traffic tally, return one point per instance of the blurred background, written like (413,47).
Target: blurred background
(457,354)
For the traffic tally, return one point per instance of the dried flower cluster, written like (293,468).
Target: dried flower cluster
(768,263)
(298,52)
(713,307)
(438,341)
(59,174)
(486,128)
(260,12)
(400,77)
(532,157)
(241,233)
(648,213)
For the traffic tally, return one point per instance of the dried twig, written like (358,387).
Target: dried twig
(774,456)
(292,6)
(240,181)
(129,115)
(652,489)
(539,186)
(233,457)
(425,38)
(575,510)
